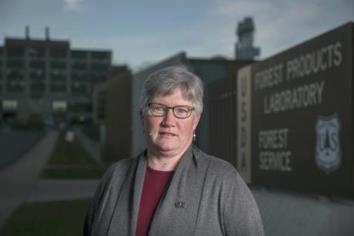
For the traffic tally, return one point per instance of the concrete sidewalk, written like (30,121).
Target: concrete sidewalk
(92,147)
(17,180)
(23,140)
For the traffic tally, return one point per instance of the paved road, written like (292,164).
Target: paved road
(291,214)
(17,180)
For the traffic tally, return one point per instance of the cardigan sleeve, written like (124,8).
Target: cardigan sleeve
(240,211)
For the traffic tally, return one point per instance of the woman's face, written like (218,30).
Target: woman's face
(168,135)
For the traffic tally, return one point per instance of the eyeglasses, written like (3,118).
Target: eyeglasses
(180,112)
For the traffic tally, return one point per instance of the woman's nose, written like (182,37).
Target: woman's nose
(168,118)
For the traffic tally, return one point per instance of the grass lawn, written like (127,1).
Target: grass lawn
(70,160)
(57,218)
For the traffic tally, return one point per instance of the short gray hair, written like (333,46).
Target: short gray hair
(164,81)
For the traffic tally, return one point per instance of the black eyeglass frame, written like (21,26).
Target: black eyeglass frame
(190,110)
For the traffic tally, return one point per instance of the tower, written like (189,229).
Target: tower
(244,49)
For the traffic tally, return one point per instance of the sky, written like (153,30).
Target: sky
(144,32)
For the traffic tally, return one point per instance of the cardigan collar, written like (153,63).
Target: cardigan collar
(128,199)
(190,156)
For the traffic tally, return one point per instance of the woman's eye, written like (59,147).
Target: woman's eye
(181,110)
(159,109)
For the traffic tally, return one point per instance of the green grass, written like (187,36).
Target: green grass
(72,173)
(57,218)
(66,153)
(70,160)
(92,131)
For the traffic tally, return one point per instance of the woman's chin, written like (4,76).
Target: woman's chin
(168,150)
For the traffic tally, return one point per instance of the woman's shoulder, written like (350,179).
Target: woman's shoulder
(223,171)
(122,165)
(118,169)
(214,163)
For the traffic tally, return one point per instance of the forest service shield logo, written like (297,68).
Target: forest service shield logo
(328,154)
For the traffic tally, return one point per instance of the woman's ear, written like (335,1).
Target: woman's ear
(141,114)
(196,120)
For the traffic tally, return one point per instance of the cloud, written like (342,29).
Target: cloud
(283,24)
(74,5)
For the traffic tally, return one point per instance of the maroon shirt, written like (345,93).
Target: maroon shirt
(155,184)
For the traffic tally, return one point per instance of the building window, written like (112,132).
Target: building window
(59,106)
(9,105)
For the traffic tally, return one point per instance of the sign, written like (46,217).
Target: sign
(301,126)
(244,123)
(328,154)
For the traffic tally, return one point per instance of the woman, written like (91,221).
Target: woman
(172,188)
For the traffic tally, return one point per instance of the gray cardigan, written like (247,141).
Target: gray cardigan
(206,196)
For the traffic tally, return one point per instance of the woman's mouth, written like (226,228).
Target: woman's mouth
(167,134)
